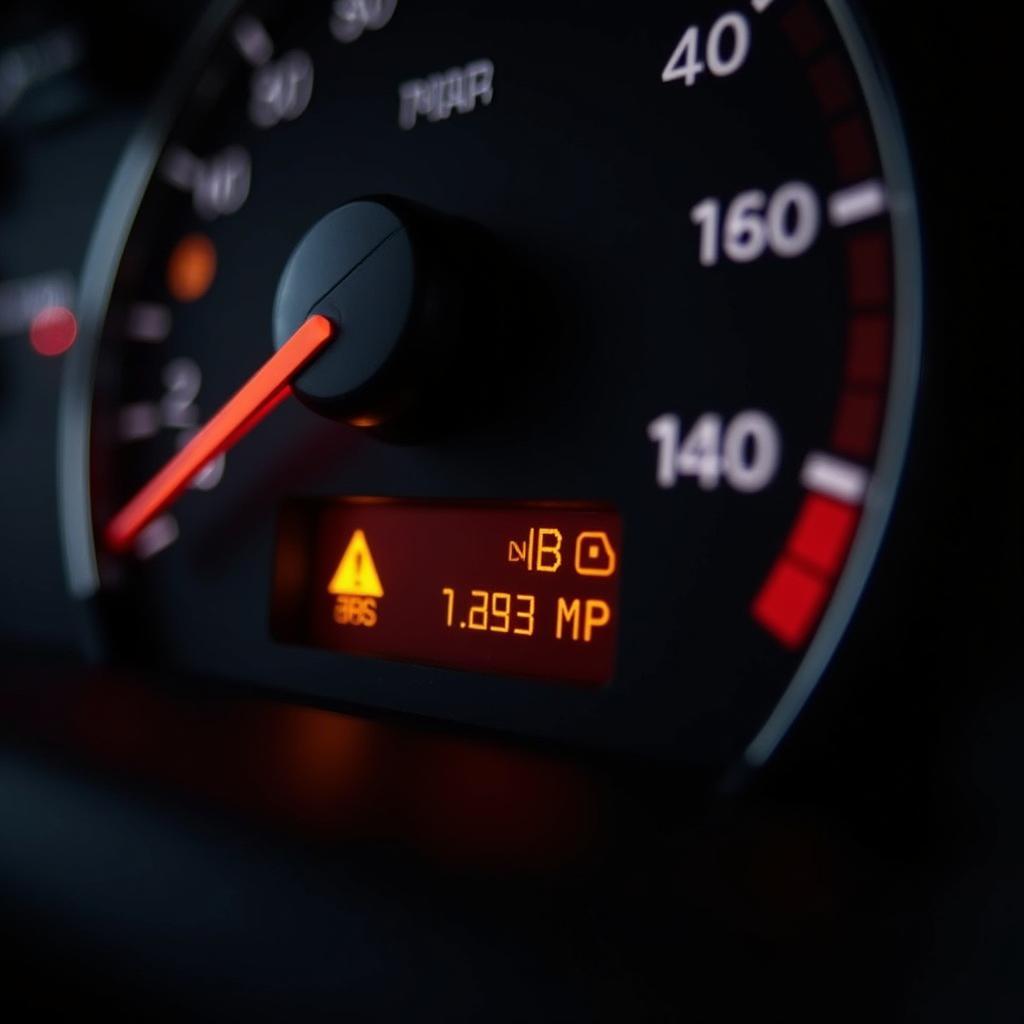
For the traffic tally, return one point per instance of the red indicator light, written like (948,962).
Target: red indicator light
(822,535)
(790,602)
(53,331)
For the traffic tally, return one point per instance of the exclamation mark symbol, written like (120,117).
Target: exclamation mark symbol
(356,574)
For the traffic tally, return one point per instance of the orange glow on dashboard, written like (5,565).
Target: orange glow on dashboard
(191,268)
(528,590)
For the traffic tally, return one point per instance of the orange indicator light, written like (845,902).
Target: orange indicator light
(595,555)
(191,268)
(356,585)
(356,574)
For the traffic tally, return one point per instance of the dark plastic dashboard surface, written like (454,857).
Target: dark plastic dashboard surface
(180,848)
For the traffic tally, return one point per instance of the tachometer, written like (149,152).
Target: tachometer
(541,367)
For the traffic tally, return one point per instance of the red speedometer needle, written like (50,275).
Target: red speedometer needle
(260,395)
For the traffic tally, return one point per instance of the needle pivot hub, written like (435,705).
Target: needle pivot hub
(391,274)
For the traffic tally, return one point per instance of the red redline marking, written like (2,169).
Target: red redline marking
(867,349)
(805,29)
(869,262)
(790,603)
(853,150)
(858,424)
(832,84)
(822,534)
(799,585)
(793,597)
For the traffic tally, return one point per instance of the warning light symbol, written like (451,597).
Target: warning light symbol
(356,574)
(595,555)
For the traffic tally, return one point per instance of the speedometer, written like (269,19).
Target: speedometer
(547,368)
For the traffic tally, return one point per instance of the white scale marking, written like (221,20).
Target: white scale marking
(253,41)
(835,478)
(149,322)
(157,537)
(761,5)
(138,421)
(856,203)
(179,168)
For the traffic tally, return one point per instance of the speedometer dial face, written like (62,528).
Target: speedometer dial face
(620,330)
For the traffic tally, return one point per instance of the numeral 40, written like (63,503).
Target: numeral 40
(743,453)
(724,53)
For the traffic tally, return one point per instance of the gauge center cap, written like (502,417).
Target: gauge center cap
(356,266)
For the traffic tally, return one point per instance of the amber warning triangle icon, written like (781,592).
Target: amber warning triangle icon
(356,575)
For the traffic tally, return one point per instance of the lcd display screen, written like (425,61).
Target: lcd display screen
(526,590)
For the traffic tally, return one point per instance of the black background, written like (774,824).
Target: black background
(872,869)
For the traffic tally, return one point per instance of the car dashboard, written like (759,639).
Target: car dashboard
(509,512)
